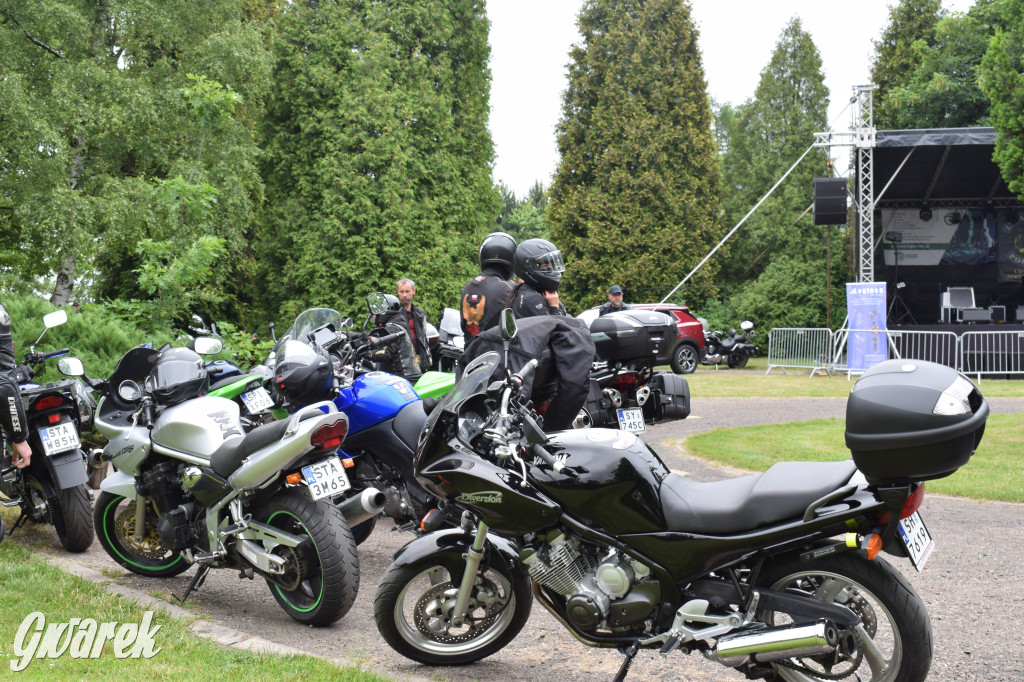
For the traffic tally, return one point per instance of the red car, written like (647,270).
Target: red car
(685,355)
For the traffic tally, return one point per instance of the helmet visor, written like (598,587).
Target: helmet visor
(175,372)
(548,263)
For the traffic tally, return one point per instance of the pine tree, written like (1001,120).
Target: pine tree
(378,163)
(635,197)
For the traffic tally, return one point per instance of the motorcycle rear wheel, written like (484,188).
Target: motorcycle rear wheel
(114,519)
(325,569)
(76,529)
(893,642)
(737,361)
(411,607)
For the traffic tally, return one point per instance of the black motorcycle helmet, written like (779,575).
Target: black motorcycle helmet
(498,250)
(178,374)
(302,374)
(539,264)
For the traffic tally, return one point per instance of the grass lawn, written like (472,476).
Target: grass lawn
(28,584)
(993,473)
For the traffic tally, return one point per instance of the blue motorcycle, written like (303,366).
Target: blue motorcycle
(322,358)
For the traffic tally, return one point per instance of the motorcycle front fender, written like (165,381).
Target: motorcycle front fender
(119,483)
(67,469)
(449,546)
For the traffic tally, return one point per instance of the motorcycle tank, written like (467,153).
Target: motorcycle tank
(619,481)
(379,396)
(198,426)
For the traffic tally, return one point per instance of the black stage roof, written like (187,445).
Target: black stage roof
(946,165)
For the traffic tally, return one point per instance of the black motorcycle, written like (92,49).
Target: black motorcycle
(52,489)
(777,575)
(732,349)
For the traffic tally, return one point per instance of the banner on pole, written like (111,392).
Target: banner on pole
(868,344)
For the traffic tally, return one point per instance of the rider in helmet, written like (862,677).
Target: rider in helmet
(539,264)
(487,294)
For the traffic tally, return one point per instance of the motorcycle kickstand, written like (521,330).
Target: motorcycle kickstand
(197,581)
(19,523)
(629,652)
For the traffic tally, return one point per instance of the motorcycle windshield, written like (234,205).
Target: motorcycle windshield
(311,319)
(475,379)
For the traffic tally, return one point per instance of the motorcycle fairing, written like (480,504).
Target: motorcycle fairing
(380,397)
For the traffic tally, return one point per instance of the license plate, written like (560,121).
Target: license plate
(917,540)
(326,478)
(257,400)
(631,419)
(59,437)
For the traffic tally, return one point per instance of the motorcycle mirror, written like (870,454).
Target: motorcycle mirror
(508,324)
(55,319)
(347,323)
(70,366)
(272,334)
(377,303)
(129,391)
(207,345)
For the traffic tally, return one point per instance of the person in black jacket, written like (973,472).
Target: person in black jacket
(539,264)
(12,412)
(614,303)
(487,294)
(414,320)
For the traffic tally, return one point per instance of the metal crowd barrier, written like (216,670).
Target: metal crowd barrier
(800,348)
(976,352)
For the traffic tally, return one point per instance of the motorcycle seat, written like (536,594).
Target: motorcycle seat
(229,456)
(741,504)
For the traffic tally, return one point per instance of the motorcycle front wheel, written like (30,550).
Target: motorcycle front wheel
(892,642)
(321,578)
(114,518)
(413,608)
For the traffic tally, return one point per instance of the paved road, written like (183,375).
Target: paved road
(972,585)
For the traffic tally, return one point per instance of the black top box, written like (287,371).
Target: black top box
(633,334)
(911,420)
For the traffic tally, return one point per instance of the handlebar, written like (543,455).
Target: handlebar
(539,452)
(526,371)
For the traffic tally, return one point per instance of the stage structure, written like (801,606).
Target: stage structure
(957,222)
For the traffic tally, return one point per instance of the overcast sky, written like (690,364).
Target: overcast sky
(530,41)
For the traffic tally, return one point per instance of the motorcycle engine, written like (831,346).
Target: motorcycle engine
(163,485)
(603,588)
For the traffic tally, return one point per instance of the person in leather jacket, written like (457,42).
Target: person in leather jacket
(412,319)
(487,294)
(539,264)
(614,303)
(12,412)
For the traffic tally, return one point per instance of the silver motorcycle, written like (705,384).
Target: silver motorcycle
(191,487)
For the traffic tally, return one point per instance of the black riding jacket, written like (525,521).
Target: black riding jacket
(527,302)
(483,299)
(12,412)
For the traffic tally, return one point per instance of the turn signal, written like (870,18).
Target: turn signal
(294,478)
(330,435)
(873,545)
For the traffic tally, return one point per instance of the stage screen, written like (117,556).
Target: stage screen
(949,237)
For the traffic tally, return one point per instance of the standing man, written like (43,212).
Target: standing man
(413,319)
(614,303)
(487,294)
(12,413)
(539,264)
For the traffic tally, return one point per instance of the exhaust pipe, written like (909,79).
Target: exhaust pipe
(771,644)
(95,458)
(363,506)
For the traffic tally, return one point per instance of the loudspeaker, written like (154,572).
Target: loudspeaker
(829,201)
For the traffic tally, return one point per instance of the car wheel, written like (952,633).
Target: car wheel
(684,359)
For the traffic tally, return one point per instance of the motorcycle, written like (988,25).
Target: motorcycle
(385,412)
(733,349)
(52,489)
(776,575)
(190,487)
(625,390)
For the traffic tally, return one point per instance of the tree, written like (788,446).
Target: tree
(1002,79)
(778,253)
(95,121)
(378,154)
(635,196)
(895,56)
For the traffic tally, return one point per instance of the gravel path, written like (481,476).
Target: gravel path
(972,585)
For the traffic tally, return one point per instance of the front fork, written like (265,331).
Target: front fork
(474,556)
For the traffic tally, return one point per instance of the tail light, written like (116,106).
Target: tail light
(913,502)
(329,436)
(47,402)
